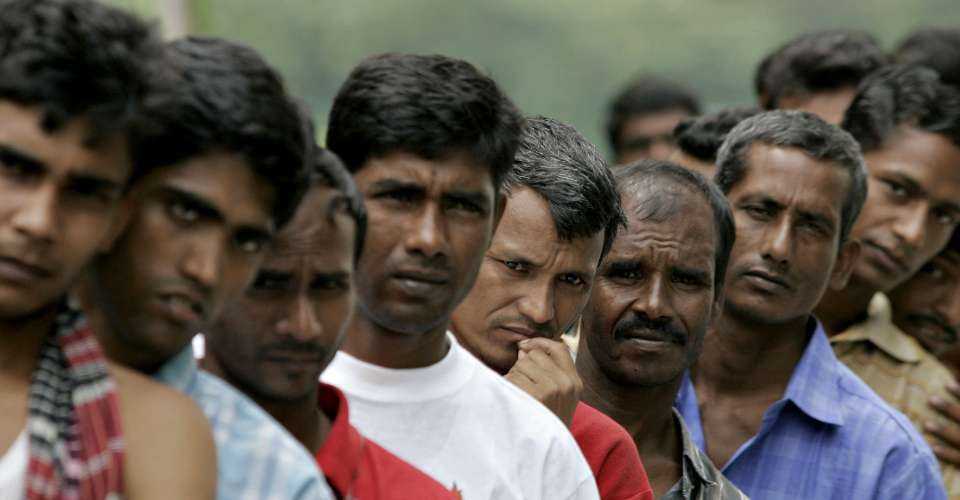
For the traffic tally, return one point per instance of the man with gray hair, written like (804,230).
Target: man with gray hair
(768,399)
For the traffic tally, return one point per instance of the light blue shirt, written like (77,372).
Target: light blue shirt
(830,437)
(256,457)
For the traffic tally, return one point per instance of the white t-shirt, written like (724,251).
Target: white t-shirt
(13,469)
(467,427)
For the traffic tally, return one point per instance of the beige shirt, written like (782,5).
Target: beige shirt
(897,367)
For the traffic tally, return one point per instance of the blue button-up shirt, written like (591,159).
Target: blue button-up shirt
(830,437)
(256,457)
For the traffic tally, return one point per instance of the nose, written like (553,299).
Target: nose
(203,262)
(427,236)
(37,216)
(653,302)
(538,304)
(300,321)
(911,226)
(779,243)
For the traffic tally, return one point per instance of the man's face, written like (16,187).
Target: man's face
(276,339)
(58,201)
(649,136)
(829,105)
(430,222)
(690,162)
(531,283)
(196,234)
(787,211)
(912,207)
(928,305)
(653,299)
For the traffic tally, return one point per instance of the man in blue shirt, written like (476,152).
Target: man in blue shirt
(225,166)
(768,401)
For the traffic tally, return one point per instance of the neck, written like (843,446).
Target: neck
(841,309)
(374,344)
(20,341)
(743,357)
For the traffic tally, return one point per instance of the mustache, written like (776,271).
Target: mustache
(641,323)
(294,347)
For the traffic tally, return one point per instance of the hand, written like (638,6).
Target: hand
(947,448)
(545,370)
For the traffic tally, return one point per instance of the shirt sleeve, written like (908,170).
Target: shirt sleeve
(911,475)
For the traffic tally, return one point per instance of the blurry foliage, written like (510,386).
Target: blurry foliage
(562,58)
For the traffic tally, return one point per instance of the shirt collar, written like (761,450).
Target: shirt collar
(693,460)
(180,371)
(342,451)
(814,386)
(879,330)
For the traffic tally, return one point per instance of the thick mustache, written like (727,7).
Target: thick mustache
(293,347)
(640,323)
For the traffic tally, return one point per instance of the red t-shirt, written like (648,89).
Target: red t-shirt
(359,468)
(612,455)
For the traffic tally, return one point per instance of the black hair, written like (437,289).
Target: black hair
(649,176)
(647,94)
(898,95)
(569,172)
(427,105)
(701,137)
(222,95)
(329,171)
(76,58)
(806,132)
(935,48)
(815,62)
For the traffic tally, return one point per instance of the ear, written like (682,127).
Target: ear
(121,219)
(846,261)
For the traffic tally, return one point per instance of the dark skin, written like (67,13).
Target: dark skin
(787,212)
(830,105)
(275,340)
(531,288)
(644,324)
(649,135)
(59,205)
(430,223)
(928,305)
(195,236)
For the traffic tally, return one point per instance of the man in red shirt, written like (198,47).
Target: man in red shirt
(561,215)
(274,341)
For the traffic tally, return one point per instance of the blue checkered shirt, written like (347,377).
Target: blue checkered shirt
(830,437)
(256,457)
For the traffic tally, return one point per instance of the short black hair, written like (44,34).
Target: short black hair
(222,95)
(806,132)
(701,136)
(329,171)
(898,95)
(76,58)
(427,105)
(815,62)
(648,173)
(647,94)
(937,48)
(569,172)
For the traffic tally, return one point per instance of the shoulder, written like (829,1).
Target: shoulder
(147,404)
(597,433)
(392,473)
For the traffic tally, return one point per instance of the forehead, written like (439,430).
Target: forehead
(66,148)
(792,178)
(671,221)
(656,123)
(320,226)
(455,171)
(223,180)
(931,160)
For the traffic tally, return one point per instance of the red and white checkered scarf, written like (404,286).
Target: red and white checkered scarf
(76,440)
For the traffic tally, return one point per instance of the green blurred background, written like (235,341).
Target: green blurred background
(561,58)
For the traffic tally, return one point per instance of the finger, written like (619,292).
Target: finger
(523,382)
(945,452)
(949,409)
(954,388)
(566,380)
(536,373)
(948,441)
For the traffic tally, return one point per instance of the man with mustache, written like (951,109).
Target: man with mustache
(768,400)
(227,165)
(656,292)
(562,213)
(275,340)
(429,140)
(72,424)
(908,125)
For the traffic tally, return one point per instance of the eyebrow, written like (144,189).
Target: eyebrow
(393,185)
(477,198)
(196,202)
(8,154)
(696,273)
(912,185)
(817,218)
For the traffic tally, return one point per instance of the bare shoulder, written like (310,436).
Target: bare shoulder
(168,440)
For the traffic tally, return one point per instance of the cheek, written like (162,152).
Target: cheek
(569,304)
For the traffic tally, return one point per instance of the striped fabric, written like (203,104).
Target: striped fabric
(76,441)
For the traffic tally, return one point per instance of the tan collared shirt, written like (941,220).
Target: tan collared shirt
(897,367)
(700,479)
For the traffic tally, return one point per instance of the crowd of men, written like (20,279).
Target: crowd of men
(450,299)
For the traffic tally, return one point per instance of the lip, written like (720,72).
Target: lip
(432,278)
(766,277)
(935,330)
(181,306)
(19,271)
(889,260)
(519,333)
